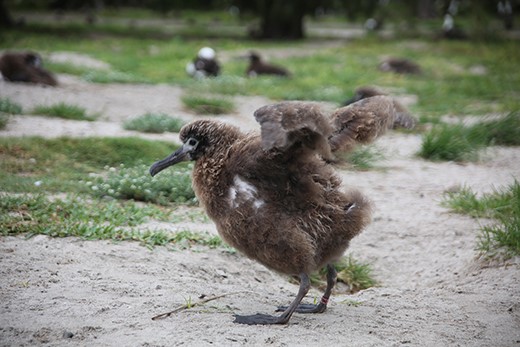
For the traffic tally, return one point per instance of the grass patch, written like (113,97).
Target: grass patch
(207,105)
(503,206)
(98,75)
(355,274)
(137,184)
(102,167)
(450,142)
(92,220)
(364,157)
(465,201)
(457,142)
(33,164)
(154,123)
(4,119)
(102,76)
(67,68)
(9,107)
(63,110)
(504,131)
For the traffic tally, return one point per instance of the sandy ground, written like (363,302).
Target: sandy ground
(434,289)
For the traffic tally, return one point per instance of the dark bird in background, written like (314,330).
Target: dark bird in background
(403,118)
(400,66)
(275,196)
(25,67)
(258,67)
(204,65)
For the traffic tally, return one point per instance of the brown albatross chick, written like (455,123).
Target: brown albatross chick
(25,67)
(274,196)
(400,66)
(258,67)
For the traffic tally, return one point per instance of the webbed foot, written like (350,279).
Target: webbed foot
(306,308)
(260,318)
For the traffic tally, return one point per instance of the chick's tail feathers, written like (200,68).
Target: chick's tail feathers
(358,211)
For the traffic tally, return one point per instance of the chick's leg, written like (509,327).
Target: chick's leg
(322,306)
(260,318)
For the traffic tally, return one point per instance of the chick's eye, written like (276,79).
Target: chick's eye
(192,142)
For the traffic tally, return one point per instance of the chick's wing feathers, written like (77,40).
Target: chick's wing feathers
(403,118)
(361,122)
(293,124)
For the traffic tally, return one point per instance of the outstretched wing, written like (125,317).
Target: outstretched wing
(294,125)
(362,122)
(403,118)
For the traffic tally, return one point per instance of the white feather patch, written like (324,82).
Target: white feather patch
(242,191)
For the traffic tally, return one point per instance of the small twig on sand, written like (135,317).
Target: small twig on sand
(198,303)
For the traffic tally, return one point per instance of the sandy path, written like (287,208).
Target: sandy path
(434,291)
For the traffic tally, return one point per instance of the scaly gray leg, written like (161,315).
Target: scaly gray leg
(322,306)
(260,318)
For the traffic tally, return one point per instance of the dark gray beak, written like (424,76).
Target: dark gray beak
(182,154)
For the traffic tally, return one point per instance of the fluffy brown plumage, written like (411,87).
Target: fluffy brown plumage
(274,196)
(259,67)
(403,118)
(25,67)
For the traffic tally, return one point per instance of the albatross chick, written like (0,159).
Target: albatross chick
(259,67)
(275,196)
(25,67)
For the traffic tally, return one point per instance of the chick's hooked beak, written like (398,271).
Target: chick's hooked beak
(182,154)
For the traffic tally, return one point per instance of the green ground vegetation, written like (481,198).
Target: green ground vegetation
(154,123)
(502,206)
(459,142)
(208,105)
(8,108)
(63,110)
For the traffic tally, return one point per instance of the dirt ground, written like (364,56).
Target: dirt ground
(434,289)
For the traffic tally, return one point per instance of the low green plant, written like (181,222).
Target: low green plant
(207,105)
(68,68)
(364,157)
(503,206)
(355,274)
(94,220)
(34,164)
(503,131)
(4,119)
(103,76)
(462,143)
(465,201)
(450,142)
(23,213)
(63,110)
(9,107)
(137,184)
(154,123)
